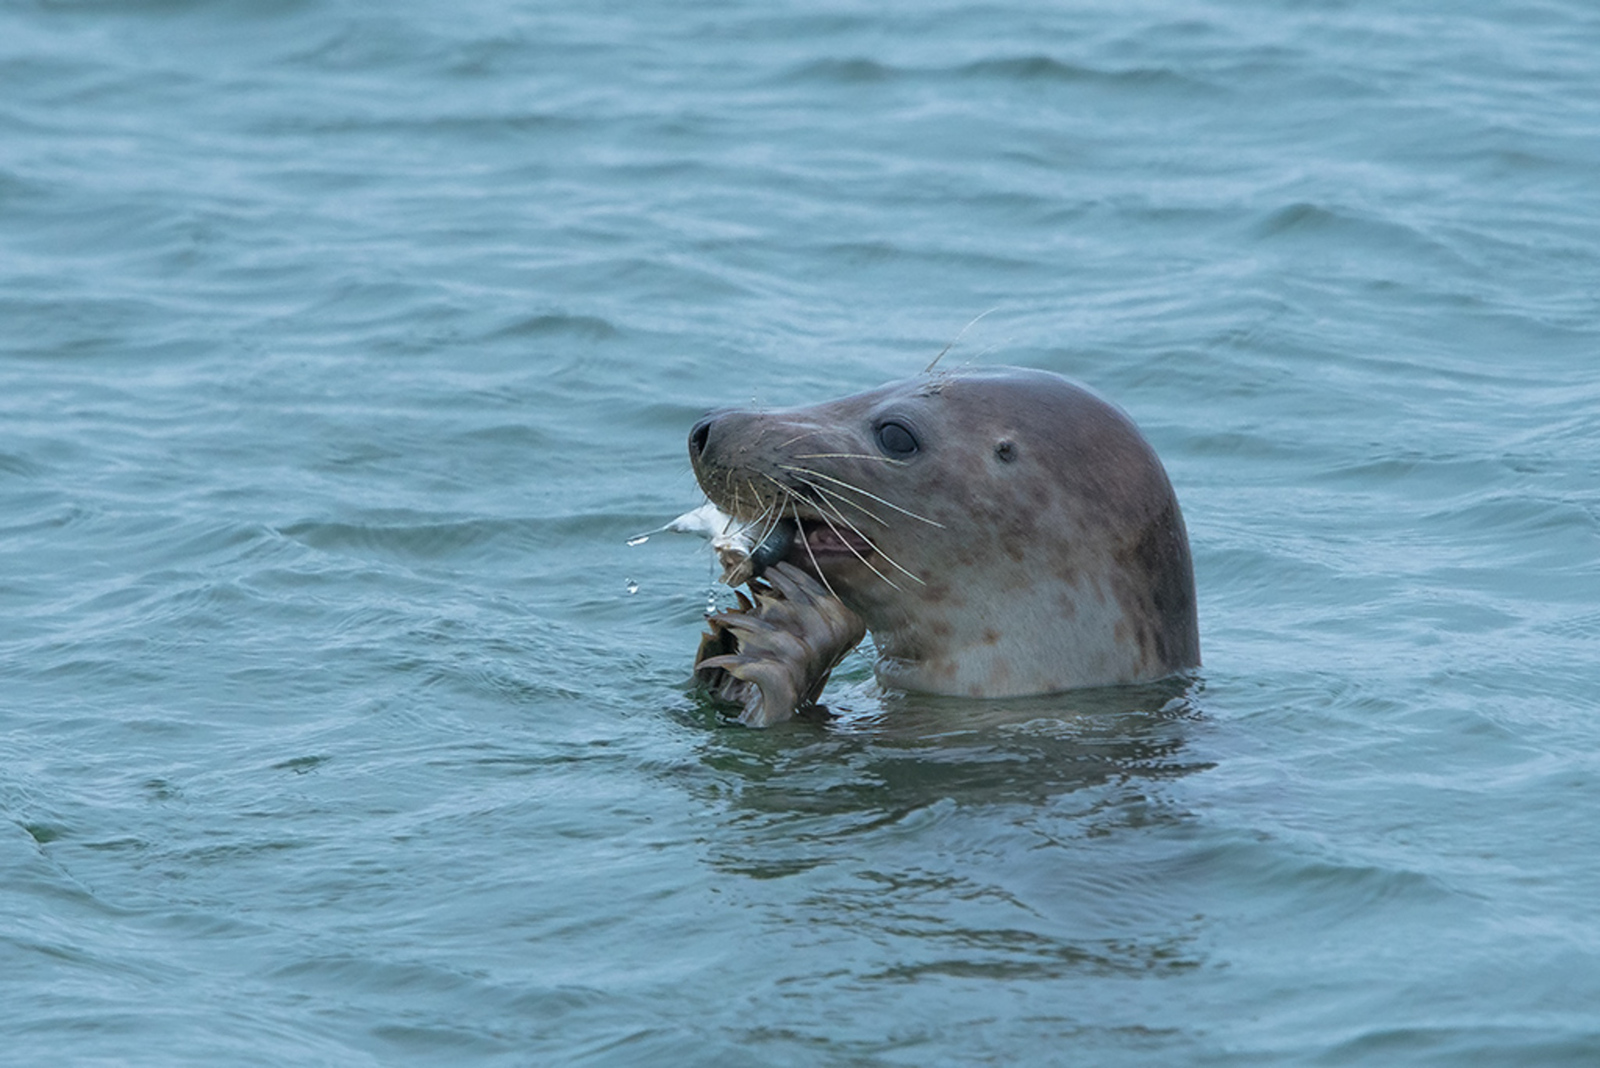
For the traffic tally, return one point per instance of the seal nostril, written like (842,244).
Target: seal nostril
(699,436)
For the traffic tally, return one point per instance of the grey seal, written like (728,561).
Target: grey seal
(999,531)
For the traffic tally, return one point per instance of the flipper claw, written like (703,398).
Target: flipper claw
(773,655)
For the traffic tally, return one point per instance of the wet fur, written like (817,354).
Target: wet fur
(1032,544)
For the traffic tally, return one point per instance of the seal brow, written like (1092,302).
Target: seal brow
(864,493)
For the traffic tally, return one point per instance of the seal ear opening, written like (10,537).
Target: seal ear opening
(1005,451)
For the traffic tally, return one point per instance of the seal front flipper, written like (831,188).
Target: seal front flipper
(773,655)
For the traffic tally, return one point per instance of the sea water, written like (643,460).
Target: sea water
(344,347)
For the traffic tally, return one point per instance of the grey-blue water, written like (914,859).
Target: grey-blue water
(343,347)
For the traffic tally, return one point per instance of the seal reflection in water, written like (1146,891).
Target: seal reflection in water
(1001,532)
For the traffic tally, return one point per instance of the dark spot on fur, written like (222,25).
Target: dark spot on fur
(991,637)
(1015,529)
(1006,451)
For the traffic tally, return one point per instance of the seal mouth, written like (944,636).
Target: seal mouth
(823,542)
(810,544)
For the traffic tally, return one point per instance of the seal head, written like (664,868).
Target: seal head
(1001,531)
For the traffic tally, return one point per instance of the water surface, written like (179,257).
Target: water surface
(343,348)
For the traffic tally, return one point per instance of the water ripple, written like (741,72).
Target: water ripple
(346,349)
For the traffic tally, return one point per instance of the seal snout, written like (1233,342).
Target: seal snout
(699,435)
(724,434)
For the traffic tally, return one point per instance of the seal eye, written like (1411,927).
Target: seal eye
(896,439)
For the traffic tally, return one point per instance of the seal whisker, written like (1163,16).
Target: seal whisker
(857,552)
(815,566)
(973,322)
(842,499)
(770,514)
(798,437)
(738,501)
(891,561)
(770,519)
(842,539)
(857,489)
(848,456)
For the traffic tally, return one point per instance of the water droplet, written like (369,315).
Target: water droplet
(633,587)
(639,539)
